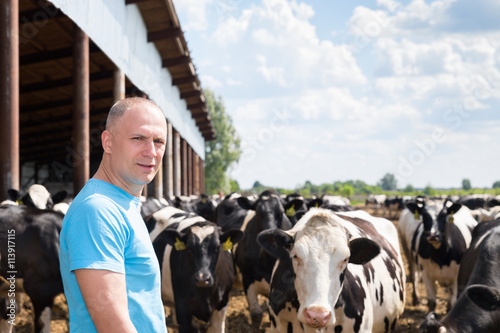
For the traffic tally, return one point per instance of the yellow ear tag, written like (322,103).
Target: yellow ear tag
(417,215)
(316,205)
(451,219)
(19,202)
(179,246)
(290,211)
(204,200)
(227,245)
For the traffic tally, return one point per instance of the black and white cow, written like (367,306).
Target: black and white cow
(33,236)
(435,238)
(477,309)
(254,265)
(202,205)
(229,214)
(295,209)
(337,272)
(151,205)
(197,271)
(36,196)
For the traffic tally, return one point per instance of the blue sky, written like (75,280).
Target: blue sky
(336,90)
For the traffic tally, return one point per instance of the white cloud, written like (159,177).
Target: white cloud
(210,82)
(195,12)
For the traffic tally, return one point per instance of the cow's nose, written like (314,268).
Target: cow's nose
(203,280)
(317,317)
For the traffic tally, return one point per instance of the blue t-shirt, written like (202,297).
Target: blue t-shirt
(103,229)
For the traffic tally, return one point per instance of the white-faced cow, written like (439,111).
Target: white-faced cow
(253,263)
(32,235)
(197,272)
(337,272)
(477,309)
(435,238)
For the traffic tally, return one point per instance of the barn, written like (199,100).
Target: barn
(62,66)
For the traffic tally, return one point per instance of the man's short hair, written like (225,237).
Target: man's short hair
(119,108)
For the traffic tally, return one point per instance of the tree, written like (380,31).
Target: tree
(257,184)
(409,188)
(388,182)
(428,190)
(466,184)
(224,150)
(496,184)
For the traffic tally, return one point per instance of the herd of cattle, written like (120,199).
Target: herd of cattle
(323,265)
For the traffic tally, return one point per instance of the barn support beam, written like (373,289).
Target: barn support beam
(202,176)
(158,183)
(184,168)
(176,163)
(168,163)
(196,174)
(81,110)
(190,169)
(9,98)
(118,85)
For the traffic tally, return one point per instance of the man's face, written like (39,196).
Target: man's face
(138,144)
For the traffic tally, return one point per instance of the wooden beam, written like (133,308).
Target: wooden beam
(197,106)
(44,85)
(170,33)
(191,94)
(52,55)
(63,102)
(171,62)
(129,2)
(184,80)
(46,12)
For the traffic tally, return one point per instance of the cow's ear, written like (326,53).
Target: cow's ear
(244,203)
(174,239)
(276,242)
(487,298)
(234,236)
(454,208)
(59,196)
(412,207)
(363,250)
(14,195)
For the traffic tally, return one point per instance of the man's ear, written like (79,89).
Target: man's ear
(106,140)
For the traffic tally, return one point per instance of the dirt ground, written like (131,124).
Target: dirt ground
(238,314)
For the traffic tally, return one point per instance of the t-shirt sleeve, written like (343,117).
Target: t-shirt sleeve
(96,237)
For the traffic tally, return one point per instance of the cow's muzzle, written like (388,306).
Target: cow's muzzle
(317,317)
(204,280)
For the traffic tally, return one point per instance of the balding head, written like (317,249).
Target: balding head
(119,108)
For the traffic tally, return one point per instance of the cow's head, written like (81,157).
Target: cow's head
(434,221)
(37,196)
(270,210)
(200,245)
(431,324)
(320,251)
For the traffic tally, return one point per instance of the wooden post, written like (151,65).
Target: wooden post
(184,173)
(202,176)
(168,164)
(118,85)
(9,96)
(176,163)
(196,174)
(158,183)
(81,107)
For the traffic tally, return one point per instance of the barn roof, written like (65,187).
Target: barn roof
(46,77)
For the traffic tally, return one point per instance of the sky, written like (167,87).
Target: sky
(327,91)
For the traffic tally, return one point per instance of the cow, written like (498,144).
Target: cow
(197,271)
(375,201)
(435,238)
(230,215)
(203,206)
(337,272)
(477,309)
(295,209)
(254,265)
(150,205)
(37,196)
(32,235)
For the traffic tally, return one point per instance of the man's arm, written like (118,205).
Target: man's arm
(105,296)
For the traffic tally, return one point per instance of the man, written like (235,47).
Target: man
(110,271)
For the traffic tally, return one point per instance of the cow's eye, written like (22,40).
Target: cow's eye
(296,259)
